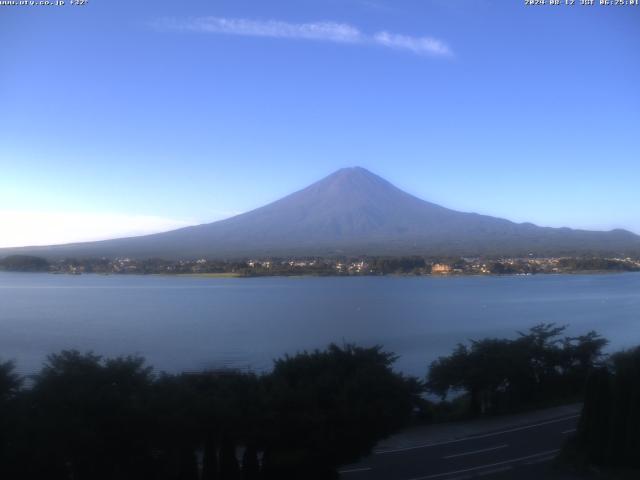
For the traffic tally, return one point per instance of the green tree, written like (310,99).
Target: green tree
(609,429)
(331,407)
(89,418)
(10,383)
(24,263)
(502,374)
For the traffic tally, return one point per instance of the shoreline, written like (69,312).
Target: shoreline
(312,275)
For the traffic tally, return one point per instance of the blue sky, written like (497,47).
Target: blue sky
(124,117)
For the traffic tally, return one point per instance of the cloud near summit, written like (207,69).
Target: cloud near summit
(319,31)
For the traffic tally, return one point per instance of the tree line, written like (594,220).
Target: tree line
(539,367)
(320,266)
(88,417)
(83,416)
(608,433)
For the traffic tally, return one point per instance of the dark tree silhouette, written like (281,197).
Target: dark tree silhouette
(85,417)
(10,381)
(501,375)
(609,430)
(331,407)
(88,418)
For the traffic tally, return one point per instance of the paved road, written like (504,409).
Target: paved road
(513,452)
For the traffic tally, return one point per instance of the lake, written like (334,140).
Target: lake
(190,323)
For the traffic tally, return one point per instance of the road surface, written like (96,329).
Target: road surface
(520,451)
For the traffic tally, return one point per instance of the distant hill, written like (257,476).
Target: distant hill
(352,212)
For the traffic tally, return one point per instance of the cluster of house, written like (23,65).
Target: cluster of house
(441,268)
(353,267)
(474,266)
(124,265)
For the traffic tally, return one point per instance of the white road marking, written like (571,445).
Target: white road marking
(477,451)
(494,470)
(354,470)
(568,431)
(481,467)
(540,460)
(475,437)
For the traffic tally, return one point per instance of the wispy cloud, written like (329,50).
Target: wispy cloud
(328,31)
(419,45)
(319,31)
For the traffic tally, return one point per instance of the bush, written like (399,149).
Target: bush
(86,417)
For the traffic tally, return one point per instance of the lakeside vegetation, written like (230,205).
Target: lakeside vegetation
(87,417)
(318,266)
(608,436)
(539,368)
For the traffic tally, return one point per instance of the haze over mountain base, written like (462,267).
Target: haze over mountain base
(352,212)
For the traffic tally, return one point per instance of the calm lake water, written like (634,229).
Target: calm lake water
(187,323)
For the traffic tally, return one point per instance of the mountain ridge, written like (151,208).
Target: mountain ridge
(352,212)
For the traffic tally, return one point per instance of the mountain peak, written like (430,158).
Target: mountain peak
(353,178)
(351,172)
